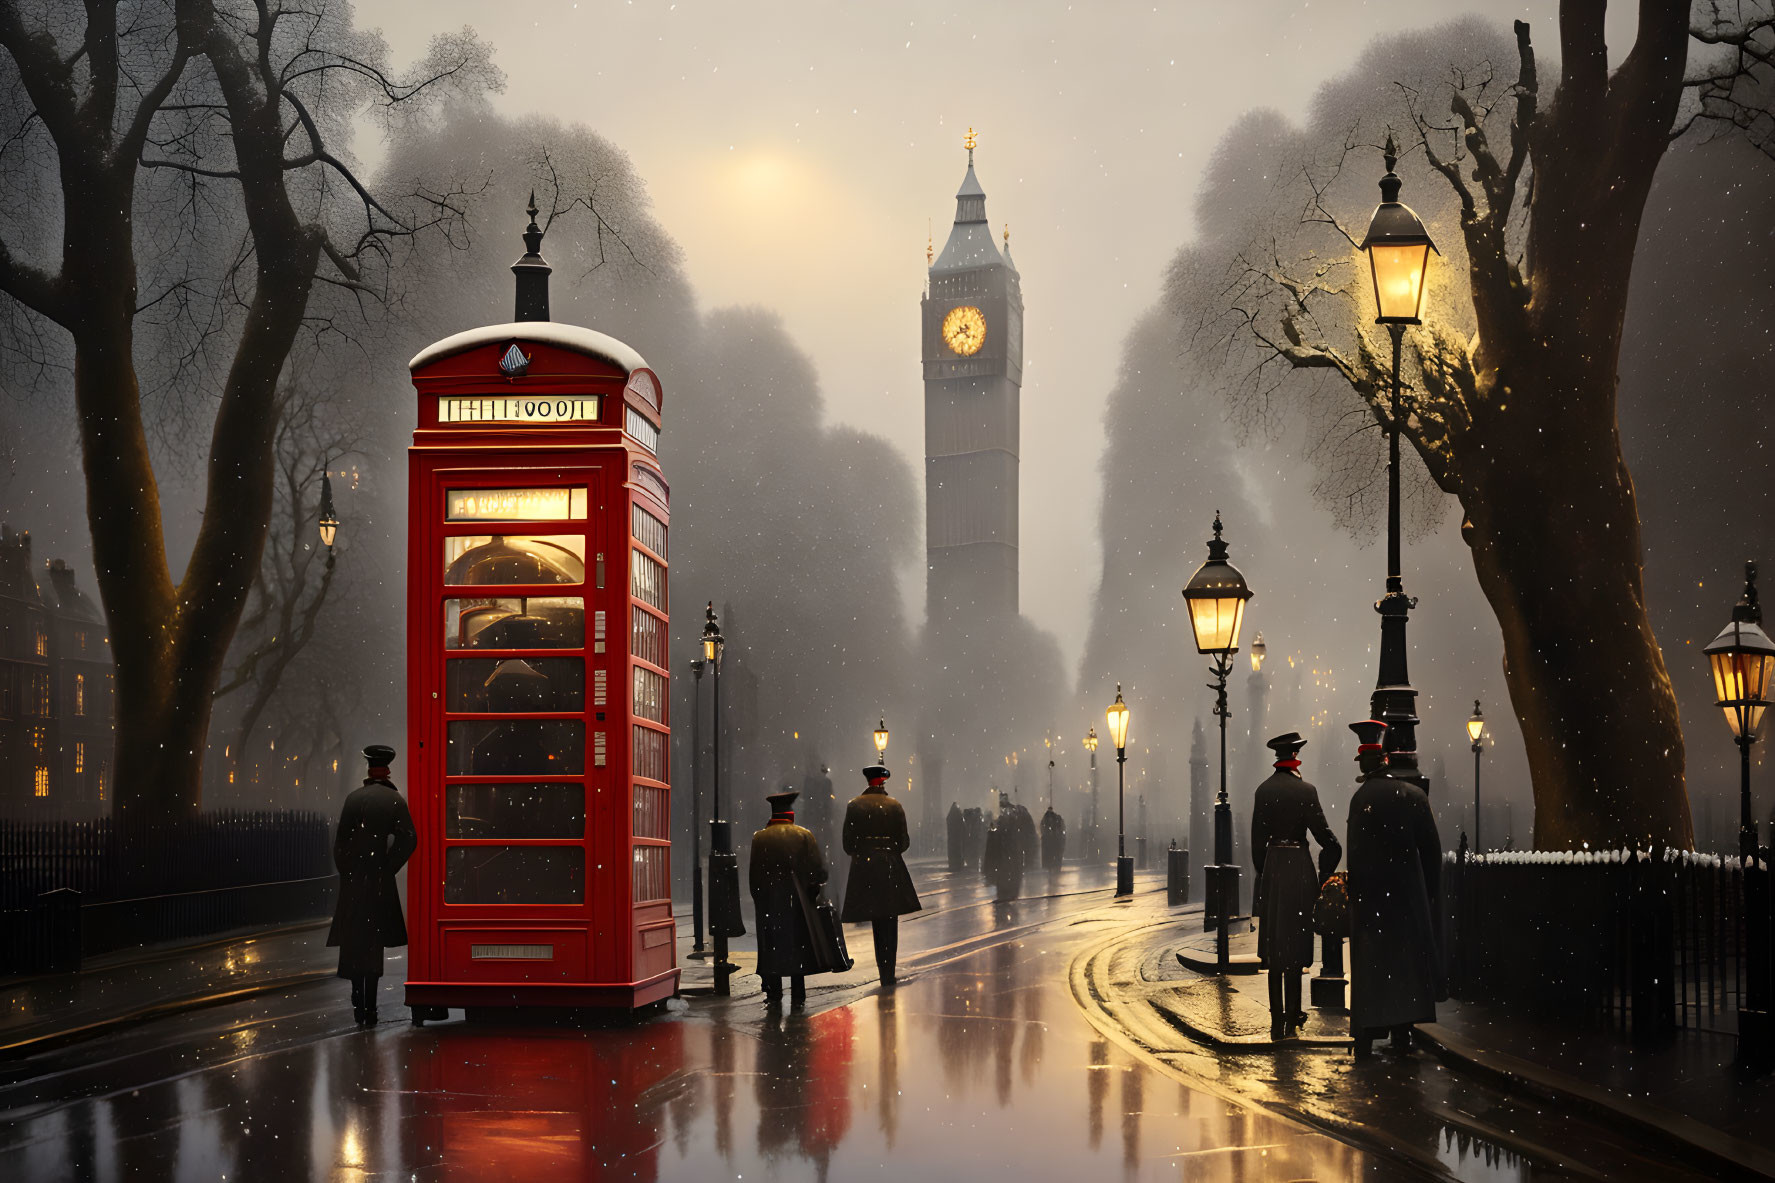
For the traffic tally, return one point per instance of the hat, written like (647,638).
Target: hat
(380,755)
(1287,743)
(1369,734)
(782,802)
(876,772)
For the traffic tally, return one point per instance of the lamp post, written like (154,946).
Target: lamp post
(1117,718)
(697,665)
(881,741)
(1742,659)
(724,864)
(1398,249)
(329,517)
(1216,595)
(1476,734)
(1091,746)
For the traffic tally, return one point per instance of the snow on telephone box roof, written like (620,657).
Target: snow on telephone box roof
(544,332)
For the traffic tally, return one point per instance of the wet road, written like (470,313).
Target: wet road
(981,1066)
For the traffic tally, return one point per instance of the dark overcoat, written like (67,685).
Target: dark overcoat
(1053,840)
(1001,857)
(374,841)
(1027,837)
(1285,809)
(958,838)
(781,852)
(875,838)
(1395,889)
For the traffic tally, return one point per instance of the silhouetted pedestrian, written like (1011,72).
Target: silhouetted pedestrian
(958,837)
(1395,884)
(1027,841)
(1053,839)
(782,854)
(1001,862)
(880,888)
(374,841)
(1284,809)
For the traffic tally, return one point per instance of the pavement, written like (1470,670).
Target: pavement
(1485,1088)
(1684,1095)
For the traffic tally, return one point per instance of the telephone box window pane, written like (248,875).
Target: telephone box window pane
(515,747)
(515,684)
(514,875)
(513,622)
(647,580)
(650,695)
(649,637)
(651,814)
(479,560)
(650,532)
(514,811)
(650,753)
(650,873)
(645,433)
(515,505)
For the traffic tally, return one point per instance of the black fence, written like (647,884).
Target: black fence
(1652,941)
(81,888)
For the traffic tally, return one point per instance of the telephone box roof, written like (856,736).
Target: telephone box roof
(546,332)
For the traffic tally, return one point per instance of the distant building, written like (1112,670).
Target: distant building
(56,715)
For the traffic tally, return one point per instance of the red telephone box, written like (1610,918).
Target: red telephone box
(538,729)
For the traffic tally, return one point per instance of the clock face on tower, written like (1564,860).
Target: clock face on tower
(964,330)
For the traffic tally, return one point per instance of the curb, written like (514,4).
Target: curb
(1672,1131)
(51,1039)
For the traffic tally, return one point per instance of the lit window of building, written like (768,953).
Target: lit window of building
(79,756)
(79,694)
(42,642)
(104,781)
(40,783)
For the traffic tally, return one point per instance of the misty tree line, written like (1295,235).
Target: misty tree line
(204,281)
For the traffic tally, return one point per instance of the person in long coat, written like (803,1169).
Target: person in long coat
(1395,871)
(958,837)
(374,841)
(1026,837)
(1001,858)
(1284,810)
(880,888)
(783,852)
(1053,839)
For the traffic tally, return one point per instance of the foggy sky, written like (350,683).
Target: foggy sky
(797,152)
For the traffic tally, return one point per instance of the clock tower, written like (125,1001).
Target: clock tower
(973,377)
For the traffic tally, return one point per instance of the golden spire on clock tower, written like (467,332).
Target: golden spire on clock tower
(968,141)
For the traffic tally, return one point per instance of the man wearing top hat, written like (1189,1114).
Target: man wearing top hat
(1285,809)
(374,841)
(880,889)
(783,852)
(1395,869)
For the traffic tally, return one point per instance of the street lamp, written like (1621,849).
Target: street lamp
(1398,249)
(881,741)
(1117,718)
(724,865)
(1091,746)
(1258,651)
(697,666)
(1743,659)
(1216,595)
(329,517)
(1476,733)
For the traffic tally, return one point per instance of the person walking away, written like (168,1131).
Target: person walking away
(958,837)
(1053,839)
(1285,808)
(1001,859)
(783,852)
(1026,838)
(880,888)
(374,841)
(1395,869)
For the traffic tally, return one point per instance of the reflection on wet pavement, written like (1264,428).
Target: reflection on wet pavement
(981,1067)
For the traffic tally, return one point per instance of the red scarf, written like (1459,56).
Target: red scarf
(378,773)
(788,815)
(1289,765)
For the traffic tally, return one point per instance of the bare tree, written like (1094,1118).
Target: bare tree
(244,104)
(1513,408)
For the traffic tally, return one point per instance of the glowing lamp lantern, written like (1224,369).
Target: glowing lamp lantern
(1258,651)
(1216,596)
(1091,740)
(1743,661)
(712,639)
(881,739)
(1117,718)
(329,517)
(1398,249)
(1476,726)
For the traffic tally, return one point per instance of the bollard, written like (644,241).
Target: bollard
(1176,876)
(1140,854)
